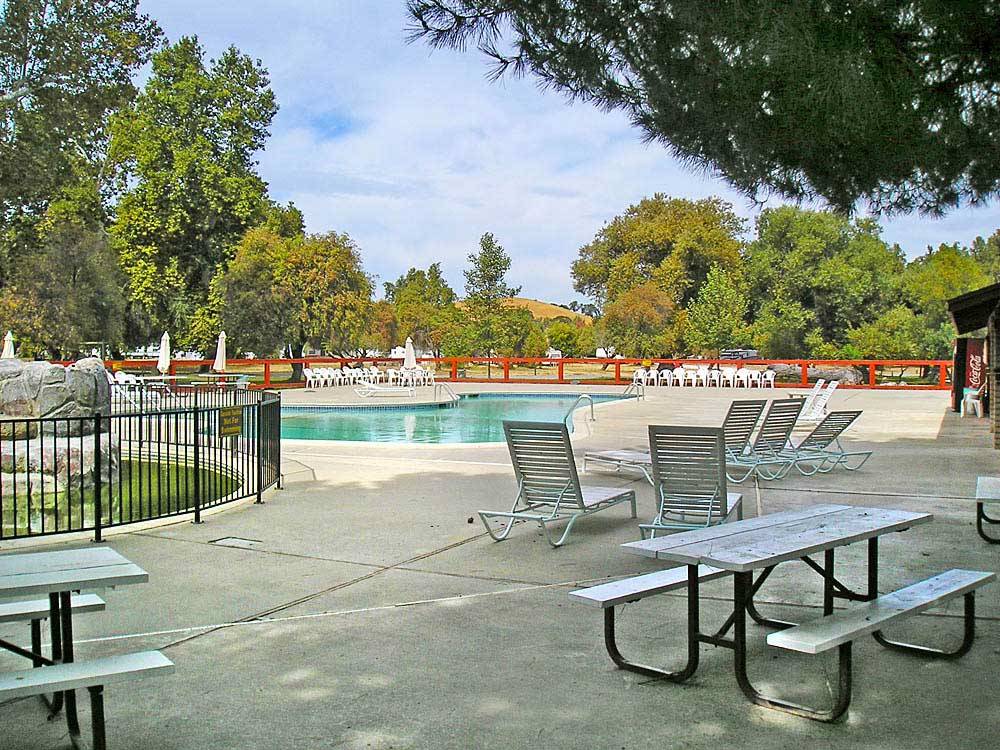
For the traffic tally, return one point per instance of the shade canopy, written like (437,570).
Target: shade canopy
(409,356)
(163,361)
(8,346)
(220,354)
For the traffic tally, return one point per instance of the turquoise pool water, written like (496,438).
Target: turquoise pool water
(476,418)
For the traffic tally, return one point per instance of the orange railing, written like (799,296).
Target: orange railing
(923,374)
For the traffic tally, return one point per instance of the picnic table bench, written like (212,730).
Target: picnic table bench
(759,545)
(58,575)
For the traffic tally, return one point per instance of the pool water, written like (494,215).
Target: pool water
(475,418)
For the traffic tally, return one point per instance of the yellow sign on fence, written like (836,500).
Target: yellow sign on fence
(230,421)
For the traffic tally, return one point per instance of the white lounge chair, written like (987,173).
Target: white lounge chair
(818,409)
(548,486)
(689,479)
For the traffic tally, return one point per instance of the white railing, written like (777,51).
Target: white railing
(581,397)
(439,387)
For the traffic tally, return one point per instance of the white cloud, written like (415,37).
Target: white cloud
(415,154)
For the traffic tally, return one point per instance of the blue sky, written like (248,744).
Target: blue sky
(415,154)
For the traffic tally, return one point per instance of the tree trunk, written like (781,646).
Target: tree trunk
(296,351)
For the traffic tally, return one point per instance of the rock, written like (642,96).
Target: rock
(38,374)
(50,398)
(10,368)
(83,375)
(793,373)
(14,399)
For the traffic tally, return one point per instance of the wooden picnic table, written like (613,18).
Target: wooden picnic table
(761,544)
(58,574)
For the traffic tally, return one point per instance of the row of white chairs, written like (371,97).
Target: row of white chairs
(321,377)
(703,375)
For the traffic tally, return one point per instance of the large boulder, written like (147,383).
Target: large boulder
(42,389)
(793,373)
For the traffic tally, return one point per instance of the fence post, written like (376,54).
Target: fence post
(560,376)
(943,375)
(267,374)
(259,410)
(506,369)
(197,469)
(618,373)
(454,368)
(98,468)
(804,366)
(871,376)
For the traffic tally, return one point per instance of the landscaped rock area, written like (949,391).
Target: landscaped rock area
(48,448)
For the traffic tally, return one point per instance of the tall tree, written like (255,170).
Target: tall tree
(424,306)
(63,67)
(70,292)
(185,154)
(492,328)
(643,322)
(295,292)
(717,319)
(892,103)
(839,272)
(672,241)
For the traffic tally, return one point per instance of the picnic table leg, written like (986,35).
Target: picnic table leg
(751,608)
(742,585)
(692,634)
(980,518)
(66,617)
(55,637)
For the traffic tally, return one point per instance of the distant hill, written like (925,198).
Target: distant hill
(544,310)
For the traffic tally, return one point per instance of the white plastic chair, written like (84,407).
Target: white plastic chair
(639,376)
(727,376)
(666,377)
(767,379)
(714,378)
(973,401)
(701,375)
(651,376)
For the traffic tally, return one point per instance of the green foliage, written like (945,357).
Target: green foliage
(717,318)
(296,291)
(644,322)
(535,344)
(586,342)
(893,103)
(932,279)
(490,327)
(784,328)
(70,293)
(184,153)
(895,334)
(564,337)
(424,306)
(987,252)
(63,67)
(671,240)
(840,272)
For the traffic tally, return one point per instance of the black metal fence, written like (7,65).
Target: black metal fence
(159,453)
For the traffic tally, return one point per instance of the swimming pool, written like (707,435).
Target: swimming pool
(475,418)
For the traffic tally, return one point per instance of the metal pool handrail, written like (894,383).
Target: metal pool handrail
(581,397)
(638,388)
(447,389)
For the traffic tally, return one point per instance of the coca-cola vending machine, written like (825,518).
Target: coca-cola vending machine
(975,365)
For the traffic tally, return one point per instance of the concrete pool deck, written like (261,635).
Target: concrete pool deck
(368,612)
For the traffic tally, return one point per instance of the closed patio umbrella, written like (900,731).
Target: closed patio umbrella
(8,346)
(409,356)
(163,361)
(220,354)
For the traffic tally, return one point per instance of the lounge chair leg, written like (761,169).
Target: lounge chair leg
(968,637)
(562,539)
(489,530)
